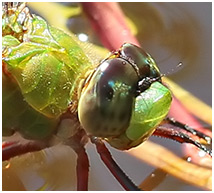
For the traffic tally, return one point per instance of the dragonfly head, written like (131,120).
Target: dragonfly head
(108,100)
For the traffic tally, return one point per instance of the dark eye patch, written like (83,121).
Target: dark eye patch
(106,92)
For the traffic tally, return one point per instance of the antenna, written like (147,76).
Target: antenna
(173,70)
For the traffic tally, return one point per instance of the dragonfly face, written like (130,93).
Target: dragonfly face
(123,101)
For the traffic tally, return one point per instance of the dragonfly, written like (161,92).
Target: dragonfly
(53,89)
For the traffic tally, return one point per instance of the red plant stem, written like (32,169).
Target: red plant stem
(108,21)
(109,24)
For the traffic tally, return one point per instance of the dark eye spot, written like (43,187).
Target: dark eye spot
(106,92)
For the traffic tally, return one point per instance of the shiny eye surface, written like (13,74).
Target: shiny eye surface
(114,80)
(108,98)
(145,64)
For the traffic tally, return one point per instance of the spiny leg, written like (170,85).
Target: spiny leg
(170,133)
(118,173)
(186,127)
(77,143)
(12,149)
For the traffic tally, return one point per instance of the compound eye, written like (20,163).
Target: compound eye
(117,79)
(144,62)
(105,105)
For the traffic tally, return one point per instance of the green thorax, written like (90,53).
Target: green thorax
(17,115)
(47,63)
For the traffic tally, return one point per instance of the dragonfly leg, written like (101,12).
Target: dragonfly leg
(187,128)
(117,172)
(171,133)
(12,149)
(77,143)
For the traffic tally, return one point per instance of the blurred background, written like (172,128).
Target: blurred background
(171,33)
